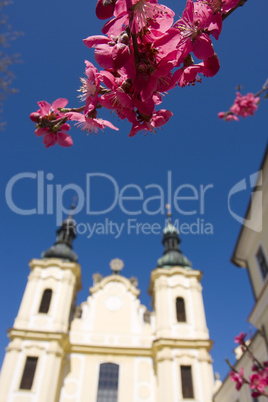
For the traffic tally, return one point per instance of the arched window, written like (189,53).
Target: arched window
(108,382)
(45,302)
(180,309)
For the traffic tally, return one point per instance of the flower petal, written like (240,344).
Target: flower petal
(44,107)
(49,140)
(64,140)
(60,102)
(41,131)
(202,47)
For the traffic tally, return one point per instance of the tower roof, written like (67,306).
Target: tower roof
(62,247)
(172,255)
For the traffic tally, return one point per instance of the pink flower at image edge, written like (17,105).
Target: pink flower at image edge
(240,339)
(237,378)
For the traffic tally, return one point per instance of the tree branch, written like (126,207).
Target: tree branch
(239,4)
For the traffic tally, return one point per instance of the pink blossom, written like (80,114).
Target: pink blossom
(209,16)
(238,378)
(240,339)
(147,123)
(222,6)
(51,138)
(110,53)
(139,55)
(61,138)
(48,111)
(50,125)
(148,12)
(259,381)
(227,116)
(139,14)
(151,78)
(245,105)
(192,29)
(118,96)
(168,47)
(90,124)
(90,87)
(188,74)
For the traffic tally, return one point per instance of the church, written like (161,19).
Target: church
(110,348)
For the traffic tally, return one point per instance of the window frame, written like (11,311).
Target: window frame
(190,394)
(181,312)
(27,379)
(44,305)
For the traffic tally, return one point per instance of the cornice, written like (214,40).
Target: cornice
(58,263)
(168,272)
(119,351)
(14,333)
(159,344)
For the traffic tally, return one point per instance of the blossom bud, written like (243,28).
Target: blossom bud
(34,117)
(105,9)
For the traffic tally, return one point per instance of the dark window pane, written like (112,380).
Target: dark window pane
(28,373)
(262,262)
(187,382)
(45,302)
(108,382)
(180,309)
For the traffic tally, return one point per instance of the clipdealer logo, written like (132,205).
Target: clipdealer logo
(133,226)
(254,222)
(131,199)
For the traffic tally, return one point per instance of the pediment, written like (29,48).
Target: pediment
(115,279)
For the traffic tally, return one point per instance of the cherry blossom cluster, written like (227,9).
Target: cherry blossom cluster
(244,106)
(258,380)
(142,54)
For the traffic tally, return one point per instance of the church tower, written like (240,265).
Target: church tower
(34,360)
(111,348)
(181,345)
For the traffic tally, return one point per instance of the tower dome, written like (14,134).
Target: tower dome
(172,255)
(62,247)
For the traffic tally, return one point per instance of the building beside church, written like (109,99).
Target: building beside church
(251,253)
(110,348)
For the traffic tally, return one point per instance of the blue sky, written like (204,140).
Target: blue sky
(195,149)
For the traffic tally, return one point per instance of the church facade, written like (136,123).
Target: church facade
(111,348)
